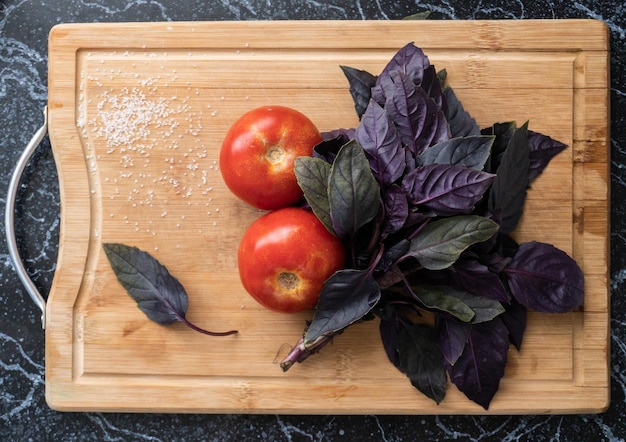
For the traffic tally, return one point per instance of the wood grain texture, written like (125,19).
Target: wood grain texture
(137,113)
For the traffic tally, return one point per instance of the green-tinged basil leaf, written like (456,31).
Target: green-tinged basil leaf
(353,192)
(459,303)
(442,75)
(312,175)
(420,358)
(471,152)
(158,294)
(485,309)
(438,245)
(346,297)
(436,298)
(462,124)
(361,84)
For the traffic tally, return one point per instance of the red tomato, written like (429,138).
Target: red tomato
(284,258)
(258,153)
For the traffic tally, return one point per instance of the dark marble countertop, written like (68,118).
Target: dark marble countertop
(24,414)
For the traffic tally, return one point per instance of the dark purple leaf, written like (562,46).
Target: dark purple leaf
(346,297)
(396,210)
(421,360)
(452,338)
(471,152)
(514,318)
(448,190)
(328,148)
(389,327)
(393,253)
(361,83)
(431,83)
(508,192)
(462,124)
(503,133)
(158,294)
(378,136)
(353,192)
(545,279)
(342,136)
(418,219)
(477,372)
(477,279)
(392,276)
(542,150)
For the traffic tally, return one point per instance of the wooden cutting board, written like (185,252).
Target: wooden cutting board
(137,113)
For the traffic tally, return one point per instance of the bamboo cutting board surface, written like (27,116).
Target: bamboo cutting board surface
(137,113)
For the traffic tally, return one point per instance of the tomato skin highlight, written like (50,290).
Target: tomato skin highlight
(258,153)
(284,258)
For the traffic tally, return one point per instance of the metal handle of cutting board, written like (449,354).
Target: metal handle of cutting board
(9,216)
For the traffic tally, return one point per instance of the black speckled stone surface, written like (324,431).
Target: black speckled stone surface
(24,415)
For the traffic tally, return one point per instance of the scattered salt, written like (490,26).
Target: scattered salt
(131,122)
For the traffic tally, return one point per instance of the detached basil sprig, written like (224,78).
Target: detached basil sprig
(158,294)
(425,201)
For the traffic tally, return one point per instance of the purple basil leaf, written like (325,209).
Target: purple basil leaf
(431,83)
(389,327)
(545,279)
(508,192)
(396,210)
(448,190)
(361,83)
(420,121)
(439,245)
(378,136)
(477,372)
(353,192)
(407,106)
(436,128)
(452,338)
(542,150)
(471,152)
(462,124)
(477,279)
(410,61)
(421,360)
(346,297)
(514,318)
(158,294)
